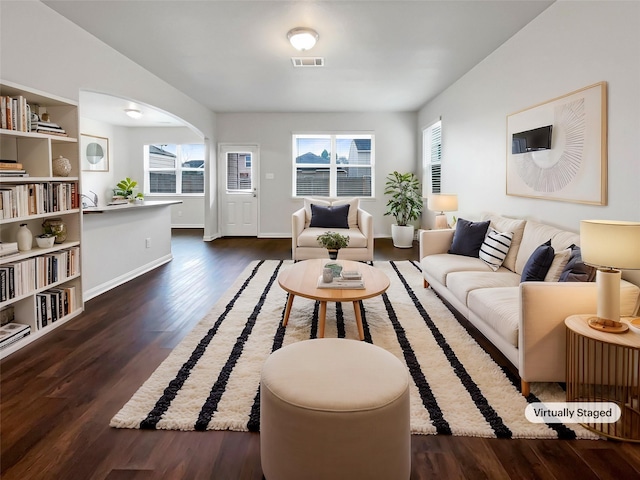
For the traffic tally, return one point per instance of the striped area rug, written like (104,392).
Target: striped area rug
(211,379)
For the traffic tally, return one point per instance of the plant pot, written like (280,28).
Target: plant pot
(402,235)
(333,254)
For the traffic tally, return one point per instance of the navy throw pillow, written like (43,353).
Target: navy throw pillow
(576,270)
(329,217)
(538,264)
(468,237)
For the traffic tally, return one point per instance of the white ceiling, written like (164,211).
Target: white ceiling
(234,56)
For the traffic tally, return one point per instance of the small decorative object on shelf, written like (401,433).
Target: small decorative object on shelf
(61,166)
(46,240)
(333,242)
(24,238)
(56,227)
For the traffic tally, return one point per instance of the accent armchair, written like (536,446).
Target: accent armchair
(304,244)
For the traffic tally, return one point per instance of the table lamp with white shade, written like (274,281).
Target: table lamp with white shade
(610,246)
(441,202)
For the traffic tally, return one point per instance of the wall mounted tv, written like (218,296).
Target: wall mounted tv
(532,140)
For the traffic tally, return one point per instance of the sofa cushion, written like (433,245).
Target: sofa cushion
(504,224)
(576,270)
(468,237)
(309,237)
(560,260)
(329,217)
(495,247)
(354,204)
(538,264)
(463,283)
(499,308)
(438,266)
(307,208)
(536,233)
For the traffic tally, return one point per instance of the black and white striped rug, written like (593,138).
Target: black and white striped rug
(211,379)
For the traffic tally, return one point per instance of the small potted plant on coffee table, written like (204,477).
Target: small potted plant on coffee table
(333,242)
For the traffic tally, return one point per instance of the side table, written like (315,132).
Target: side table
(605,367)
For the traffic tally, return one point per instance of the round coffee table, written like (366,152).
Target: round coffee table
(302,279)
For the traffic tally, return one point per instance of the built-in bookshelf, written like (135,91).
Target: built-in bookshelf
(42,287)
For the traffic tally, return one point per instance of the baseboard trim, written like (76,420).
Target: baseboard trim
(105,287)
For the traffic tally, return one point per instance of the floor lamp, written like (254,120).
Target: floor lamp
(441,202)
(609,246)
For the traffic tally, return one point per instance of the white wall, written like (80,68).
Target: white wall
(126,159)
(395,149)
(70,60)
(569,46)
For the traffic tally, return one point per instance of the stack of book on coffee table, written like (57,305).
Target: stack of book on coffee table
(347,280)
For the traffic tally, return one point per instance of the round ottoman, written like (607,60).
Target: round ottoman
(334,409)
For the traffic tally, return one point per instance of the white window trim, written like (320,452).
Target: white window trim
(178,172)
(427,159)
(333,161)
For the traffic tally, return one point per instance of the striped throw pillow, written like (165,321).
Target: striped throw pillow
(495,247)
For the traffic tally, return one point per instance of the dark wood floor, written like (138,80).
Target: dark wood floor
(59,393)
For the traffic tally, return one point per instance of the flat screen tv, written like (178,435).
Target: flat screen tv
(532,140)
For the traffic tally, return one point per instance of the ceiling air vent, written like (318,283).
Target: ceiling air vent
(307,61)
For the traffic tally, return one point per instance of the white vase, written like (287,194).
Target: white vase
(402,235)
(24,238)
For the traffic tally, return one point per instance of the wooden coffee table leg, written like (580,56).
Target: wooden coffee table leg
(356,308)
(287,310)
(322,317)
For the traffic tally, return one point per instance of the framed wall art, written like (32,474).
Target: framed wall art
(557,150)
(94,153)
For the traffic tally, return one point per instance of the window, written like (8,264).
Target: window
(174,169)
(333,165)
(239,178)
(431,158)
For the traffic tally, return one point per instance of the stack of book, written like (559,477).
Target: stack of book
(8,248)
(9,168)
(54,304)
(12,332)
(49,128)
(347,280)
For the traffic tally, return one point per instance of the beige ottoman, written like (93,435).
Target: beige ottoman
(334,409)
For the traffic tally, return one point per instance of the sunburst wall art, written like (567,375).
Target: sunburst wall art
(557,150)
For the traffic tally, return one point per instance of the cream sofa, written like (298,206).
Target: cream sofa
(525,321)
(304,244)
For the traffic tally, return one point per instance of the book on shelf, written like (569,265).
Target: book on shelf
(5,165)
(340,283)
(12,332)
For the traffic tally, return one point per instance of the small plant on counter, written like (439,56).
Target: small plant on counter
(124,188)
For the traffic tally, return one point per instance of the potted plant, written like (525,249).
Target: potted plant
(405,205)
(124,188)
(333,242)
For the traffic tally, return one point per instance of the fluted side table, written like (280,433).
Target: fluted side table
(605,367)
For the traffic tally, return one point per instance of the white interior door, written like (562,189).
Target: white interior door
(239,167)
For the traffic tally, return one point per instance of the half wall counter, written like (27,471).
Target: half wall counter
(122,242)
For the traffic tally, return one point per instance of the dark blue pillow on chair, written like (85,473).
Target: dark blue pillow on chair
(538,263)
(330,217)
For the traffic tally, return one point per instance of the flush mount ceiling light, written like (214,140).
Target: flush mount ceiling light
(302,38)
(133,113)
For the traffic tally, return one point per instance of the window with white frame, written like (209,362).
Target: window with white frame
(431,158)
(174,169)
(335,165)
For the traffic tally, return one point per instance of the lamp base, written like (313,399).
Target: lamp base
(606,325)
(441,222)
